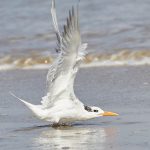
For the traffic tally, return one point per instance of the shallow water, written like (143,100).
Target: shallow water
(124,90)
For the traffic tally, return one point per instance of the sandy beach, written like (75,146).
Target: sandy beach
(125,90)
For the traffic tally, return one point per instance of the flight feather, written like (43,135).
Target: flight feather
(62,72)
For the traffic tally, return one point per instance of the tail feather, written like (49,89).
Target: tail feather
(36,109)
(25,102)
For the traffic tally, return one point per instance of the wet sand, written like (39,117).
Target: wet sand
(125,90)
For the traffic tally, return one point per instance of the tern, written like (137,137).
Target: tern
(60,106)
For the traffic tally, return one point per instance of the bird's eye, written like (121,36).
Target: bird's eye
(95,110)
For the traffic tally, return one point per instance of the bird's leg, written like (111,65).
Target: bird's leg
(55,125)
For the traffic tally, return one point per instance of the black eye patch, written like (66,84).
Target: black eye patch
(87,108)
(95,110)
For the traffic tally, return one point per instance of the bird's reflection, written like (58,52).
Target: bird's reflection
(75,137)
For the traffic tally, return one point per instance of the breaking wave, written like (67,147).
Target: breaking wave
(122,58)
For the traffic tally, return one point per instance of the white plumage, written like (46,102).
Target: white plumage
(60,105)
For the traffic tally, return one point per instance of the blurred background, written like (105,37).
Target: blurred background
(117,31)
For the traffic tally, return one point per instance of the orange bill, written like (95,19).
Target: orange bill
(107,113)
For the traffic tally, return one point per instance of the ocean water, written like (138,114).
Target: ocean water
(117,32)
(124,90)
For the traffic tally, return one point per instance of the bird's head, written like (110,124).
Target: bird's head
(97,112)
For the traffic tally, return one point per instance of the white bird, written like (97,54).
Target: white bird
(60,105)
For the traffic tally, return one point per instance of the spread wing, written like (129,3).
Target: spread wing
(62,72)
